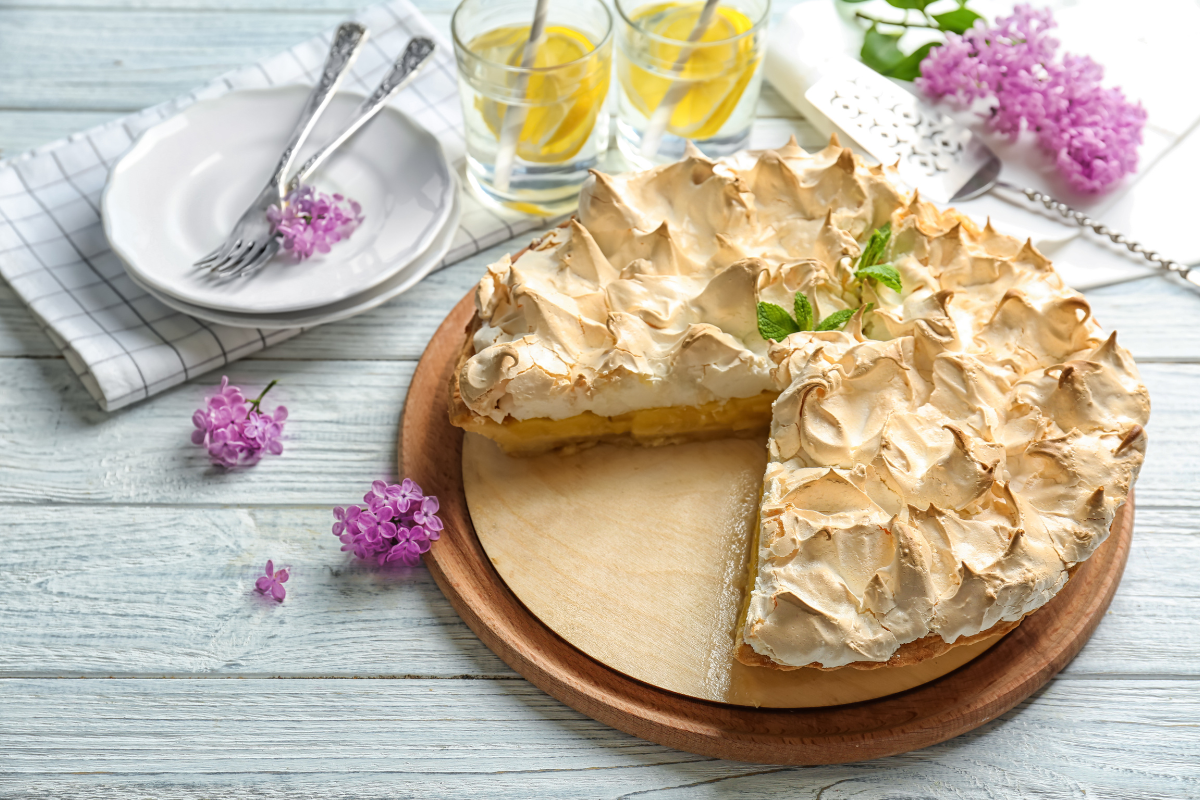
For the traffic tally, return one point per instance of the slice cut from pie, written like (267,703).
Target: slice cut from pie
(952,440)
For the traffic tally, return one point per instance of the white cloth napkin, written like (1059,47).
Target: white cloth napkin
(124,344)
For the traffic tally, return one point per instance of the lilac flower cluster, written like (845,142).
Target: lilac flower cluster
(312,221)
(272,582)
(1092,132)
(234,430)
(397,524)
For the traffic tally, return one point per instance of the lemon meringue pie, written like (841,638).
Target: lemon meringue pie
(937,467)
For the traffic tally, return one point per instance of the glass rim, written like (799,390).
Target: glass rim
(459,45)
(754,28)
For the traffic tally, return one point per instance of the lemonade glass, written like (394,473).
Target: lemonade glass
(562,97)
(722,75)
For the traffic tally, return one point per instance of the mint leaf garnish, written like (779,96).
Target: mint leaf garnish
(804,312)
(884,273)
(775,323)
(873,252)
(838,319)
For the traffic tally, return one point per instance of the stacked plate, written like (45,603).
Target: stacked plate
(178,192)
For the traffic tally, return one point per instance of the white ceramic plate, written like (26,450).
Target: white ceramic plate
(178,192)
(399,283)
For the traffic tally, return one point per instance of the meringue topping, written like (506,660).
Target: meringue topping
(936,467)
(648,299)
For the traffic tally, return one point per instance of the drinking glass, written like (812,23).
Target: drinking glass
(560,98)
(719,76)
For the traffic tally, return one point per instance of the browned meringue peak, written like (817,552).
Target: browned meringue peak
(991,440)
(1098,390)
(789,182)
(688,196)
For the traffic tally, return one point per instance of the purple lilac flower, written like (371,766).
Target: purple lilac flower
(398,524)
(272,582)
(1093,133)
(310,221)
(235,431)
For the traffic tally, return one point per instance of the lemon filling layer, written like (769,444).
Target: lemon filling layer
(740,416)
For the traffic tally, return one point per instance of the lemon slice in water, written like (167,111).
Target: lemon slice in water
(563,103)
(718,73)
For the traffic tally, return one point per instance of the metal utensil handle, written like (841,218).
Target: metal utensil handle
(347,43)
(415,56)
(1083,220)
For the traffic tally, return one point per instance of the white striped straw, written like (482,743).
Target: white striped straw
(514,115)
(652,138)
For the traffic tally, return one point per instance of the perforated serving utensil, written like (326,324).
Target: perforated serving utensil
(933,153)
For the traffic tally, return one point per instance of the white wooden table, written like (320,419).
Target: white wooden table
(127,564)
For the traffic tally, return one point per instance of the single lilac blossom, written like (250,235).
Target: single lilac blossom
(1092,133)
(398,523)
(310,221)
(235,431)
(272,582)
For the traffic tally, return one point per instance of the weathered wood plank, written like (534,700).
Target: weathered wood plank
(126,61)
(418,738)
(169,591)
(21,130)
(1154,317)
(59,445)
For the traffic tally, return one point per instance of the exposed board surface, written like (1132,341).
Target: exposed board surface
(639,557)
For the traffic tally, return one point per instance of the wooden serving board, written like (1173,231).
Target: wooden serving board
(431,452)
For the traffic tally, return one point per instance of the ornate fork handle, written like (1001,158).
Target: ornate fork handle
(415,56)
(347,43)
(1185,271)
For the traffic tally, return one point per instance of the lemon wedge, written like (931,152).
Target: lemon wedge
(563,103)
(718,73)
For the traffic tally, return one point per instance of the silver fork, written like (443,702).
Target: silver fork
(251,237)
(402,73)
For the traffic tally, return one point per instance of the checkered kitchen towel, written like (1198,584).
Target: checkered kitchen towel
(124,344)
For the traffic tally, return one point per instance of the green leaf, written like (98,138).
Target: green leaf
(838,319)
(917,4)
(957,21)
(879,50)
(884,273)
(873,251)
(804,312)
(775,323)
(909,68)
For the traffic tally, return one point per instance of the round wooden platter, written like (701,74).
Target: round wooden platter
(994,681)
